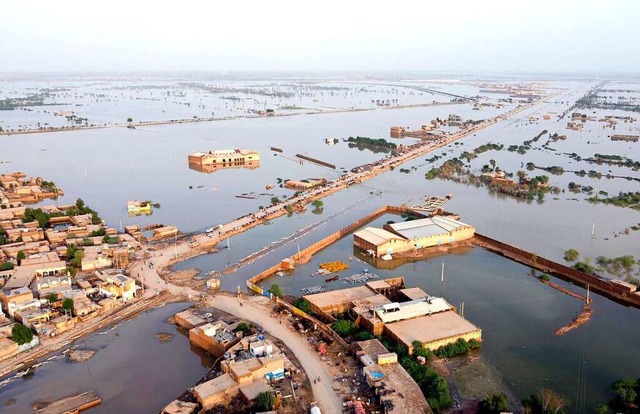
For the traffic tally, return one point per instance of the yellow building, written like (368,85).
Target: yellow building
(119,286)
(137,207)
(216,391)
(213,160)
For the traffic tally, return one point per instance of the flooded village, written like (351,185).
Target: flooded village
(277,263)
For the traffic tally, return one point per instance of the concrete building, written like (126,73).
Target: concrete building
(180,407)
(119,286)
(52,284)
(214,338)
(137,207)
(378,241)
(386,307)
(411,235)
(217,391)
(25,273)
(397,311)
(396,390)
(213,160)
(433,331)
(12,298)
(432,231)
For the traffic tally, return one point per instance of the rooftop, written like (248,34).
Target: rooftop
(399,388)
(333,297)
(376,236)
(431,327)
(427,227)
(414,293)
(251,390)
(392,312)
(214,386)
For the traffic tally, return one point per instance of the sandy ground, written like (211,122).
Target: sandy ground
(258,310)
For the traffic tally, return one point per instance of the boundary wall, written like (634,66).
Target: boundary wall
(595,283)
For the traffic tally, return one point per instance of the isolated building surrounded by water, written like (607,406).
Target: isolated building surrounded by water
(228,158)
(410,235)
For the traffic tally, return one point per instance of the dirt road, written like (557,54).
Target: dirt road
(258,310)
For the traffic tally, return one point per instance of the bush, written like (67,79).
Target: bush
(21,334)
(265,401)
(6,266)
(20,256)
(571,255)
(420,350)
(585,268)
(494,404)
(364,336)
(545,277)
(457,348)
(432,385)
(275,290)
(67,305)
(343,327)
(303,304)
(243,327)
(99,232)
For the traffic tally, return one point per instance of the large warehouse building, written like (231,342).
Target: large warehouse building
(411,235)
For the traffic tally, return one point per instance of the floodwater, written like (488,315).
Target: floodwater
(132,371)
(107,167)
(517,313)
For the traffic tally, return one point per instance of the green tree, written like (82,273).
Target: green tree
(317,203)
(275,290)
(275,200)
(494,404)
(67,305)
(364,335)
(265,401)
(129,119)
(21,334)
(602,409)
(52,297)
(571,255)
(420,350)
(343,327)
(20,256)
(243,327)
(625,390)
(78,255)
(303,304)
(6,266)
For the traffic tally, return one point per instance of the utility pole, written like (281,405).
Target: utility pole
(442,281)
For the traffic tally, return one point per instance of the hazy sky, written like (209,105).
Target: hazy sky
(488,36)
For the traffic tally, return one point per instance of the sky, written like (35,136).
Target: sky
(517,36)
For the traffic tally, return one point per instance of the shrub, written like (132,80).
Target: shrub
(494,404)
(21,334)
(265,401)
(303,304)
(343,327)
(243,327)
(457,348)
(571,255)
(275,290)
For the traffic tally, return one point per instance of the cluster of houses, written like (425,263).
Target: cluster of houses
(250,364)
(16,189)
(56,274)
